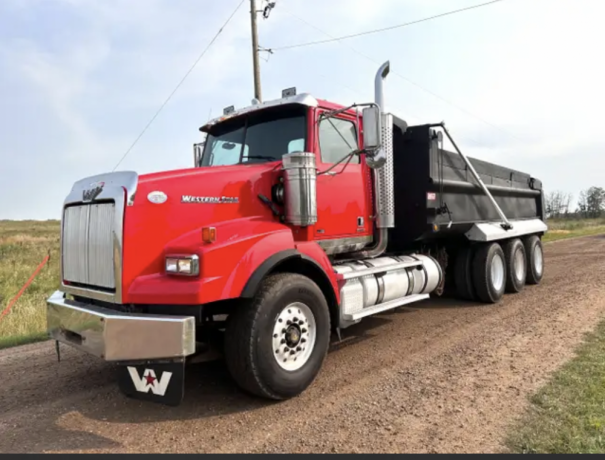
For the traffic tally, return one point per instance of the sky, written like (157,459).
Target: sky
(519,82)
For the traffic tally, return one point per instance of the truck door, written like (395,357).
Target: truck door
(343,211)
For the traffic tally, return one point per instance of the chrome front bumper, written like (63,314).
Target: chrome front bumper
(116,336)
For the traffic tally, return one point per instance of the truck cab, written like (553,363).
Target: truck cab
(301,123)
(285,230)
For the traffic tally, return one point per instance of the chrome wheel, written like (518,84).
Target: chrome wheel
(538,258)
(294,335)
(519,262)
(497,272)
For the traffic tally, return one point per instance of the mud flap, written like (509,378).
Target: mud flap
(160,382)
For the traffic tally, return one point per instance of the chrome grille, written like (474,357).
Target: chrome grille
(87,242)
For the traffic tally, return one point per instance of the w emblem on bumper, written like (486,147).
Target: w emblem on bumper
(149,381)
(158,382)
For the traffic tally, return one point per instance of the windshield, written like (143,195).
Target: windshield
(262,136)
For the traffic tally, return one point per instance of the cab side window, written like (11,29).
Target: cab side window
(337,138)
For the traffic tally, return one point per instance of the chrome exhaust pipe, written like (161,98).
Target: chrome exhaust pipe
(383,177)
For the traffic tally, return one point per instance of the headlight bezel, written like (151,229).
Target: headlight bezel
(174,264)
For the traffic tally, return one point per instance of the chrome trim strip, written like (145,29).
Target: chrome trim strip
(381,288)
(343,245)
(115,336)
(379,269)
(411,282)
(115,186)
(385,306)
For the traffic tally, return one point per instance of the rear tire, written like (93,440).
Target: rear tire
(535,259)
(463,278)
(489,273)
(289,312)
(516,265)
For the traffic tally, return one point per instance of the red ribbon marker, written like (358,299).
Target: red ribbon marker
(29,281)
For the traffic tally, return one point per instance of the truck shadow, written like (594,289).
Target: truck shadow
(78,400)
(92,397)
(447,302)
(209,390)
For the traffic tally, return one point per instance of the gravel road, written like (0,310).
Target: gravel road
(441,376)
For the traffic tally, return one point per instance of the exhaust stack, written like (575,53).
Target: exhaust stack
(382,164)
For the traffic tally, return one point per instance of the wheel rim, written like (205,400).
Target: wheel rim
(538,260)
(294,335)
(497,272)
(519,265)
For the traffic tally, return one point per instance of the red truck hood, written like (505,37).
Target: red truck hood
(237,184)
(194,198)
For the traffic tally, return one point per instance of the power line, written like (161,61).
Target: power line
(179,85)
(384,29)
(398,74)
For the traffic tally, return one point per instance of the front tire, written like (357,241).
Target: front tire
(489,273)
(275,347)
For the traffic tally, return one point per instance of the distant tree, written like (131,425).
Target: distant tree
(566,203)
(591,203)
(595,201)
(582,205)
(558,203)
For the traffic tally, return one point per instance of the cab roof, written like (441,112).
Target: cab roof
(304,99)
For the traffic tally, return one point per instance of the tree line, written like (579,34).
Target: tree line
(590,204)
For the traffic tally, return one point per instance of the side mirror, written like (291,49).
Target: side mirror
(197,154)
(372,128)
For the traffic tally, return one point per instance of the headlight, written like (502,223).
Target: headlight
(183,265)
(171,265)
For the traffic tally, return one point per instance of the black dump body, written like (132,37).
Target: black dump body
(434,186)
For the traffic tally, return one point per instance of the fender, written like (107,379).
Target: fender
(253,283)
(245,252)
(225,265)
(309,259)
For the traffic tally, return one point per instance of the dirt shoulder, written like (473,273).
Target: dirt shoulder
(442,376)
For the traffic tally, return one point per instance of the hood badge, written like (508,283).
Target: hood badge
(209,199)
(93,192)
(157,197)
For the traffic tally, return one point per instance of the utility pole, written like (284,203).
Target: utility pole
(257,87)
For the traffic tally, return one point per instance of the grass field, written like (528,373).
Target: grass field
(24,244)
(568,414)
(560,229)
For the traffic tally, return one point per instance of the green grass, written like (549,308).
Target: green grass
(562,229)
(15,341)
(23,245)
(568,414)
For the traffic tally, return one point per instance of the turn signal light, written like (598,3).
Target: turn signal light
(208,234)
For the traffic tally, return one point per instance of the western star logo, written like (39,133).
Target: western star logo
(149,381)
(209,199)
(92,193)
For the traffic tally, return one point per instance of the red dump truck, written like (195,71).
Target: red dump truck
(299,218)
